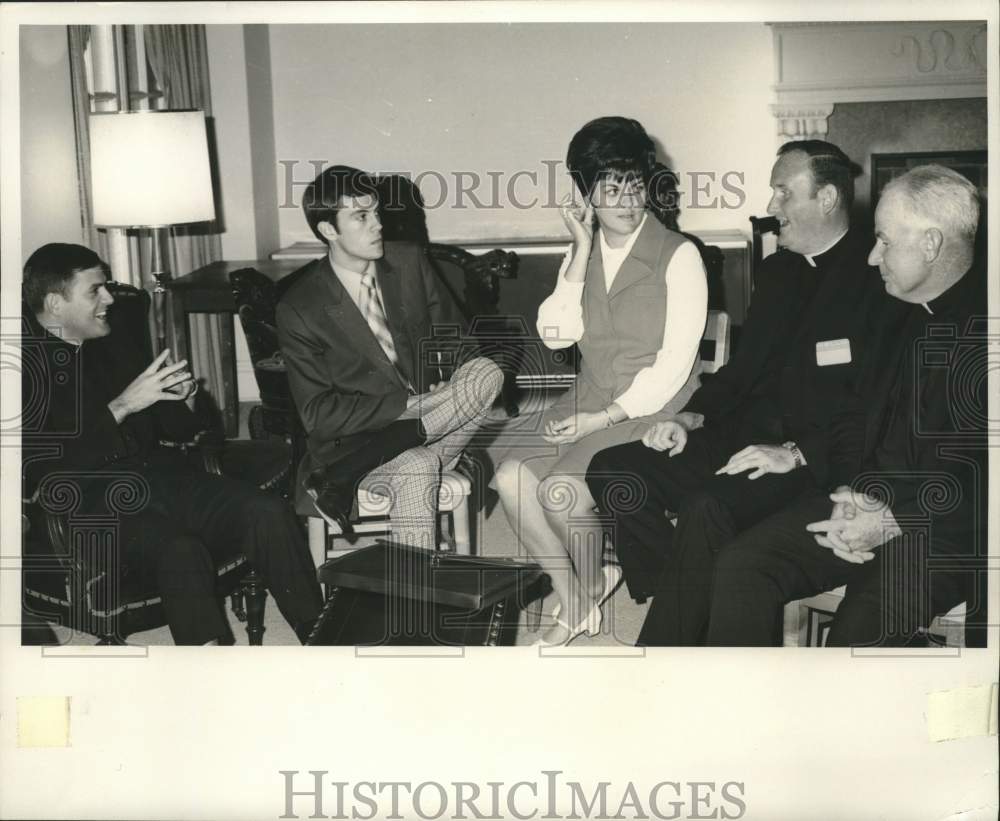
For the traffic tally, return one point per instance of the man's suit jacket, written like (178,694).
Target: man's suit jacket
(773,381)
(341,380)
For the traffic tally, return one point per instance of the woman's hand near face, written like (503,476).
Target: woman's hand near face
(580,221)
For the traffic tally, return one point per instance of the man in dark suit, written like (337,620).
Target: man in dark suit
(908,534)
(356,329)
(94,408)
(754,436)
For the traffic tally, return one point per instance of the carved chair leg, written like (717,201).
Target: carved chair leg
(236,603)
(496,624)
(533,614)
(255,595)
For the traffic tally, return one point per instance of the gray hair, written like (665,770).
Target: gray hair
(941,196)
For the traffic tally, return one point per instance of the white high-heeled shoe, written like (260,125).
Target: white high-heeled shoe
(612,577)
(589,624)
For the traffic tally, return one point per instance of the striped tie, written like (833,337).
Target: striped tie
(371,309)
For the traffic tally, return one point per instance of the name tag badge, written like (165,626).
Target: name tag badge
(833,352)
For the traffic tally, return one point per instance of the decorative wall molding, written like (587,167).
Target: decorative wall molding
(802,122)
(941,49)
(817,65)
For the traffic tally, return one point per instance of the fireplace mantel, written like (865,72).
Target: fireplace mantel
(817,65)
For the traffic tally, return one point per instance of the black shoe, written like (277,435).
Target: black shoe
(304,629)
(334,486)
(332,501)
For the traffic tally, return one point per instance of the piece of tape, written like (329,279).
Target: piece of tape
(43,721)
(962,713)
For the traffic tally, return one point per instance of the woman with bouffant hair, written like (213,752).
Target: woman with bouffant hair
(632,295)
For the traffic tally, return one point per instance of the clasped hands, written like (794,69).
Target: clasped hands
(162,380)
(857,525)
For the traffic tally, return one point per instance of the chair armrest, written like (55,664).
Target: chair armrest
(206,443)
(53,514)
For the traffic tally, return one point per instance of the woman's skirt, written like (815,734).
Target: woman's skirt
(521,438)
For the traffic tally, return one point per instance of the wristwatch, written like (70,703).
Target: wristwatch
(792,448)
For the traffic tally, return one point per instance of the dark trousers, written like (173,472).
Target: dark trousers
(676,567)
(195,521)
(888,599)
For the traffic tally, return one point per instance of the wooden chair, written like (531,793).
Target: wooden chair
(71,572)
(373,509)
(73,577)
(807,621)
(758,227)
(715,342)
(499,337)
(256,299)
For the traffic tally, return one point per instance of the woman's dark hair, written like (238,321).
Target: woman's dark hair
(322,198)
(610,146)
(51,269)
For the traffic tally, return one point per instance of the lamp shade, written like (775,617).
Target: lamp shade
(150,168)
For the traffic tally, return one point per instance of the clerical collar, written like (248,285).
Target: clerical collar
(39,331)
(947,300)
(811,258)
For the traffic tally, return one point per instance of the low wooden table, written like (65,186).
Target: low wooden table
(207,290)
(392,593)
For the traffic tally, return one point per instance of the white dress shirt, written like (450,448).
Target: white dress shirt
(687,306)
(351,280)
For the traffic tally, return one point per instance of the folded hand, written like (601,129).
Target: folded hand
(857,524)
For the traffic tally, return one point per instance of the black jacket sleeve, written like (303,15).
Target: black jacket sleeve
(763,328)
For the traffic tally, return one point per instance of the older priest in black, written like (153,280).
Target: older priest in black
(908,537)
(767,411)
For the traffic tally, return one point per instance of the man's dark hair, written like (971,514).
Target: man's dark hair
(829,166)
(322,198)
(610,147)
(51,270)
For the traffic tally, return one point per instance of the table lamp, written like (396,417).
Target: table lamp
(150,170)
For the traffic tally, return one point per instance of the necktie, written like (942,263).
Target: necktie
(371,309)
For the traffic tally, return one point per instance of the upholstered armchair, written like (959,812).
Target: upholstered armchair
(72,573)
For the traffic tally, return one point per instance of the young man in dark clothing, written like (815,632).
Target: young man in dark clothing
(95,412)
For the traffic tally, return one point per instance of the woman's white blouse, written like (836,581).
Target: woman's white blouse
(560,323)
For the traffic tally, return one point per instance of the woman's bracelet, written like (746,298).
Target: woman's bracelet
(611,422)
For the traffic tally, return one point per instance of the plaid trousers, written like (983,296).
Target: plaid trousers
(451,416)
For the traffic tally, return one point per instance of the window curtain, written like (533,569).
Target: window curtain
(78,37)
(178,59)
